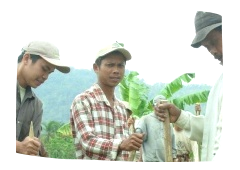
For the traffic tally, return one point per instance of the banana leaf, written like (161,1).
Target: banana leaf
(65,130)
(176,84)
(134,91)
(199,97)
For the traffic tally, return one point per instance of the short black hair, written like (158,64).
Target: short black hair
(219,28)
(33,57)
(99,59)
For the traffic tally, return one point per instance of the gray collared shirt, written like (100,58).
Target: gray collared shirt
(153,145)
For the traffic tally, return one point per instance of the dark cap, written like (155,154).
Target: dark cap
(204,23)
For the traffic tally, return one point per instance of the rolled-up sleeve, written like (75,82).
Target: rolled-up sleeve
(192,125)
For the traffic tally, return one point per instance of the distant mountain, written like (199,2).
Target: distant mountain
(58,92)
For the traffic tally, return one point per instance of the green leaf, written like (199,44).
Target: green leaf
(176,85)
(135,92)
(199,97)
(65,130)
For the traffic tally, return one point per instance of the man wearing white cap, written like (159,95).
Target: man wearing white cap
(206,129)
(98,119)
(37,60)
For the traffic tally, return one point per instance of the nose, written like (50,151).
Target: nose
(213,51)
(45,76)
(116,70)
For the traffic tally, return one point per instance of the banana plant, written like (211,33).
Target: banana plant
(190,99)
(65,130)
(135,91)
(176,85)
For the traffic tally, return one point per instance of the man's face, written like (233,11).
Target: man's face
(111,70)
(213,42)
(34,74)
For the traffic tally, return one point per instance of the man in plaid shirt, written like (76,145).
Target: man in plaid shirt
(98,119)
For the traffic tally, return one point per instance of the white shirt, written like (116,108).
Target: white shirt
(206,129)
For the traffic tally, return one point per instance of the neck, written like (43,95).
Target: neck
(20,78)
(108,91)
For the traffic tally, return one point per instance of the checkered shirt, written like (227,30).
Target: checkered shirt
(97,128)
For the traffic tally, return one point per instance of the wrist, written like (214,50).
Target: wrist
(120,146)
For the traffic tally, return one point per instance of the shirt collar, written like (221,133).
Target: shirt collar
(100,95)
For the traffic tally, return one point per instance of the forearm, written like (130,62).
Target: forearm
(99,146)
(192,125)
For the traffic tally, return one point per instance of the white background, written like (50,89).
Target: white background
(157,33)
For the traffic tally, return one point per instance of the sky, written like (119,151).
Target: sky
(157,35)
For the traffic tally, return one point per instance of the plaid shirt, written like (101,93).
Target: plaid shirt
(97,128)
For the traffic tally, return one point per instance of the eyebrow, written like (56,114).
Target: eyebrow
(49,69)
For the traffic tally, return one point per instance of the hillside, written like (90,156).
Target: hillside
(58,92)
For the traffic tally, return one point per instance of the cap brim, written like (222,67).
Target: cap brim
(201,35)
(59,66)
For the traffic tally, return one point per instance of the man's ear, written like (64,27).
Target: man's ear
(26,58)
(95,67)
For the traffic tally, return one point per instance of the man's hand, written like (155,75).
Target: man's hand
(134,142)
(29,146)
(161,111)
(198,108)
(130,121)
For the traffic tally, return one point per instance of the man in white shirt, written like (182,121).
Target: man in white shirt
(206,129)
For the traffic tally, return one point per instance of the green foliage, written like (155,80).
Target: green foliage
(49,129)
(199,97)
(58,141)
(189,99)
(176,85)
(135,92)
(61,147)
(65,130)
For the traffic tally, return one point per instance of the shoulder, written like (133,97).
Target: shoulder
(85,99)
(36,99)
(89,93)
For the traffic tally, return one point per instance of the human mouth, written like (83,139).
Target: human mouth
(115,78)
(39,82)
(219,58)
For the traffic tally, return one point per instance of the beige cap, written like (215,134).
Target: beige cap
(114,47)
(48,52)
